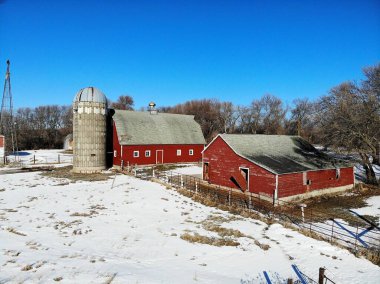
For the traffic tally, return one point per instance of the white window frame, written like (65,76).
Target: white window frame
(179,152)
(191,152)
(147,153)
(115,153)
(337,173)
(136,154)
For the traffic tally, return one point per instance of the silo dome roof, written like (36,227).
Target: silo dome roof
(90,94)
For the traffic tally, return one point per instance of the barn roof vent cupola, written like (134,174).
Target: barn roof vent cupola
(90,127)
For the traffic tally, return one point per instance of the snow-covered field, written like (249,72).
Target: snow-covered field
(88,232)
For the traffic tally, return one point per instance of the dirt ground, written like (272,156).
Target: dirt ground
(65,172)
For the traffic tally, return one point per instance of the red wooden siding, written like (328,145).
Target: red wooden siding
(291,184)
(224,163)
(169,153)
(1,141)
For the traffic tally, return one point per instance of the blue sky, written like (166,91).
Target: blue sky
(174,51)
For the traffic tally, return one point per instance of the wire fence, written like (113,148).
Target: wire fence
(39,159)
(354,234)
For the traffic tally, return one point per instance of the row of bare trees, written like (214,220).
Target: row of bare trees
(43,127)
(267,115)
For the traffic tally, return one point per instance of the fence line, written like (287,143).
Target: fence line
(330,228)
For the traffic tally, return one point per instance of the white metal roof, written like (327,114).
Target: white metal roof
(90,94)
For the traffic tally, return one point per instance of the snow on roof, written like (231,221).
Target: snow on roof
(281,154)
(144,128)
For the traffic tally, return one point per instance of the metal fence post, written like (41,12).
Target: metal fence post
(332,231)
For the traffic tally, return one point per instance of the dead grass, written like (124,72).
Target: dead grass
(84,214)
(14,231)
(27,267)
(65,172)
(223,232)
(219,242)
(262,246)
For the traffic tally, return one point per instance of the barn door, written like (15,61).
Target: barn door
(159,156)
(206,169)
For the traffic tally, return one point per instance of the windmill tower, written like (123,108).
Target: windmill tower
(7,123)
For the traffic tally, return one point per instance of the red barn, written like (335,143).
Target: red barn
(273,165)
(143,138)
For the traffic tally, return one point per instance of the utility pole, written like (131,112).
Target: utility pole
(7,123)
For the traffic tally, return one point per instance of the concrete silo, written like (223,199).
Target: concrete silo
(90,127)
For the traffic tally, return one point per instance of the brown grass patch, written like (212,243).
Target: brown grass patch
(14,231)
(77,214)
(65,172)
(262,246)
(27,268)
(219,242)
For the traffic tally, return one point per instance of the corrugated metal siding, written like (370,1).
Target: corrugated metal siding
(223,162)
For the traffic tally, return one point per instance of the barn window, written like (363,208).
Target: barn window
(337,173)
(115,153)
(179,152)
(147,153)
(136,154)
(191,152)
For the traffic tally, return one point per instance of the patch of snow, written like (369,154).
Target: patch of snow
(88,232)
(372,208)
(189,170)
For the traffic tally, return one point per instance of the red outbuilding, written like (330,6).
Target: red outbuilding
(274,165)
(144,138)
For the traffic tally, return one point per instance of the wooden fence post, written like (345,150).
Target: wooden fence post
(59,159)
(290,281)
(229,197)
(321,275)
(34,159)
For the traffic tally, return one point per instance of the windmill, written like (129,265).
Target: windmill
(7,123)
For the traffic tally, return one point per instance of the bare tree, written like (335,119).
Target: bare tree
(302,121)
(228,116)
(349,118)
(124,103)
(273,114)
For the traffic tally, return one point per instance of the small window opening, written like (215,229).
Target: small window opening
(179,152)
(191,152)
(147,153)
(136,154)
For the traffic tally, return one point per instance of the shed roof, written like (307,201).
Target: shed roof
(143,128)
(281,154)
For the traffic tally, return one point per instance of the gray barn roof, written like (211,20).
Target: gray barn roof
(281,154)
(143,128)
